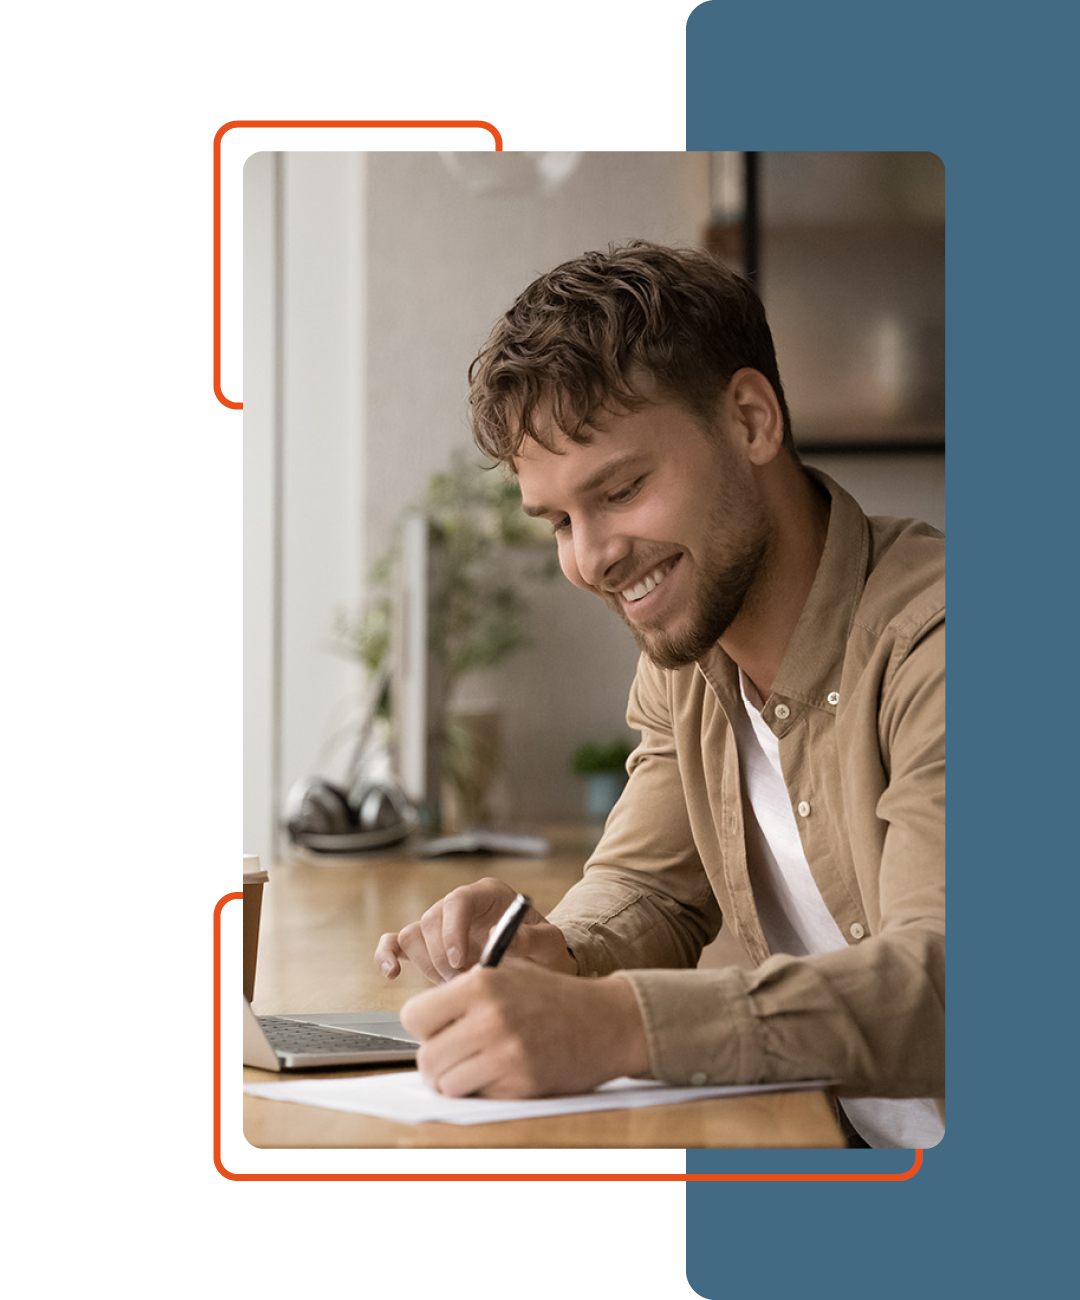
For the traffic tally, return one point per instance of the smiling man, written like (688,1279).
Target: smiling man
(789,781)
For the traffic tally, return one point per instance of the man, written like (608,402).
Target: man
(790,700)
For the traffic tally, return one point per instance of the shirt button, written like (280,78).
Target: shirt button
(782,711)
(834,697)
(698,1078)
(804,809)
(856,931)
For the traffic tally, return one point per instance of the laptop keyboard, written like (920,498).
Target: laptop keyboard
(292,1036)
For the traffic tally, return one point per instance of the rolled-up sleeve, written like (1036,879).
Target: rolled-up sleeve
(869,1016)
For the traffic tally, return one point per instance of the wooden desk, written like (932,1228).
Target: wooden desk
(321,919)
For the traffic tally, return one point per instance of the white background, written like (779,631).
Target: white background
(122,635)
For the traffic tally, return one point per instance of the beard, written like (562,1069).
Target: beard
(728,575)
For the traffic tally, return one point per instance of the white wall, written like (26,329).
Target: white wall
(323,401)
(304,367)
(261,660)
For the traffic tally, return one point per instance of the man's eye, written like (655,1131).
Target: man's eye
(627,493)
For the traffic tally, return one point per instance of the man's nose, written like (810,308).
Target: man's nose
(597,550)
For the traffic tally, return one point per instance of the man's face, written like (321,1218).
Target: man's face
(662,521)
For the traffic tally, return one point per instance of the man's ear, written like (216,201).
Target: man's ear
(754,415)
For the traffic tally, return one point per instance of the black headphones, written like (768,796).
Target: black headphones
(375,813)
(322,817)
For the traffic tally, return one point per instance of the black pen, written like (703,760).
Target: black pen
(504,930)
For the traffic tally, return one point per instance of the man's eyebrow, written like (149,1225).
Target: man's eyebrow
(597,479)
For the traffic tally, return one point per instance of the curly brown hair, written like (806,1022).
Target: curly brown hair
(580,339)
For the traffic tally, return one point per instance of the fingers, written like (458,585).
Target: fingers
(482,1033)
(429,1013)
(473,1075)
(388,956)
(519,1030)
(454,931)
(466,919)
(456,1057)
(414,946)
(393,949)
(430,927)
(450,936)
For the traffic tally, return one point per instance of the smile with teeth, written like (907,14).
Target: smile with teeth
(649,582)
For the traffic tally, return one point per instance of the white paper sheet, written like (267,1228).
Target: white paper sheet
(403,1096)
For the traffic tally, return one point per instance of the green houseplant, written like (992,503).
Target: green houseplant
(490,556)
(603,765)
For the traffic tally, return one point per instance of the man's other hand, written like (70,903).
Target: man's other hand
(450,936)
(518,1030)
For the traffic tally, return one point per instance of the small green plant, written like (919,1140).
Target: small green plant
(594,757)
(488,554)
(476,520)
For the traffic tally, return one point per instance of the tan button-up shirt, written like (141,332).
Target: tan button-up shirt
(858,708)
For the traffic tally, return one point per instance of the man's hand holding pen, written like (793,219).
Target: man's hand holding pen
(521,1031)
(525,1028)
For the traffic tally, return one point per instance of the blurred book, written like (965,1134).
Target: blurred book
(502,843)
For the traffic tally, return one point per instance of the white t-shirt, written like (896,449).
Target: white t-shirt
(794,916)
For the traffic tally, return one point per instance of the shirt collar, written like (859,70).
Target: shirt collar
(810,669)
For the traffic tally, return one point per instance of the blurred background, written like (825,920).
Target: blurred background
(370,282)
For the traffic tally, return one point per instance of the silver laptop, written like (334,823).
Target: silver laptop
(323,1041)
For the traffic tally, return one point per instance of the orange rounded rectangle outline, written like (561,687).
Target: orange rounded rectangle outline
(491,1178)
(229,126)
